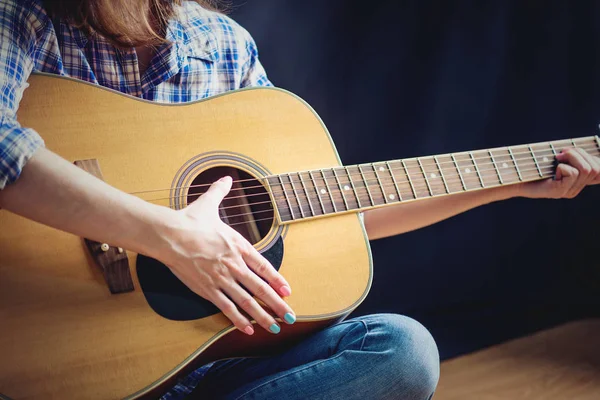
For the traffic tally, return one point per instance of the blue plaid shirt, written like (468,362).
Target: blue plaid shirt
(206,53)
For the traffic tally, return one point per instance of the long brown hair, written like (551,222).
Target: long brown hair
(126,23)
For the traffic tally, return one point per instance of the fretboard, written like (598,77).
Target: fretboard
(329,191)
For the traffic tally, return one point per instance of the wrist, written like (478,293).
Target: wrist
(153,239)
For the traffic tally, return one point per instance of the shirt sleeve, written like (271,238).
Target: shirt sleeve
(17,46)
(253,73)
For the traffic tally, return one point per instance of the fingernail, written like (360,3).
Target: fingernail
(225,179)
(249,330)
(289,318)
(275,328)
(285,290)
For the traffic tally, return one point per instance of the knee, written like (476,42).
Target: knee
(412,359)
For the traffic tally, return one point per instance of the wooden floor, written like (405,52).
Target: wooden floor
(560,363)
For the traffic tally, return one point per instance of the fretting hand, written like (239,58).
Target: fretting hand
(214,260)
(576,170)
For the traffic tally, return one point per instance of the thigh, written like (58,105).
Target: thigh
(227,376)
(375,356)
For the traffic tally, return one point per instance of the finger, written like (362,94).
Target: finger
(573,158)
(231,311)
(566,176)
(594,163)
(263,268)
(267,295)
(215,193)
(247,303)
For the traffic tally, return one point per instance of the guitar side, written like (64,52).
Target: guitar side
(64,335)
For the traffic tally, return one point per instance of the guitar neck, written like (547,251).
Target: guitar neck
(308,194)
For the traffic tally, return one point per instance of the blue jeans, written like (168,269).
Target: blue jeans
(383,356)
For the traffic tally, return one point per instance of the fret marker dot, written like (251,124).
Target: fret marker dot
(392,197)
(323,191)
(504,165)
(546,159)
(468,170)
(432,175)
(381,169)
(346,187)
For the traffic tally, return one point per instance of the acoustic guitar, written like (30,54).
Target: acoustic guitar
(86,320)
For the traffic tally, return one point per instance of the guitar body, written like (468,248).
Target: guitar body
(64,335)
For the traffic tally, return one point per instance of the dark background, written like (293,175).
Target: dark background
(395,79)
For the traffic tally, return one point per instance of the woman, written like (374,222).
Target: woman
(183,51)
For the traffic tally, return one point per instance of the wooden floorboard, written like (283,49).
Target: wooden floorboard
(562,363)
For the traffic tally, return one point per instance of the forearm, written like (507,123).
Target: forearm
(394,220)
(54,192)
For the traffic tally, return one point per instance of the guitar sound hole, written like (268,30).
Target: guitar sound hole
(247,208)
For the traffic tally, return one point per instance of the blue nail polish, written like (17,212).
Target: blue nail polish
(275,328)
(289,318)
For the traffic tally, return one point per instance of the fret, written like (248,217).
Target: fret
(553,149)
(527,162)
(394,181)
(437,163)
(434,176)
(425,176)
(412,187)
(318,191)
(376,189)
(286,197)
(535,161)
(515,162)
(279,207)
(486,168)
(295,200)
(505,165)
(381,186)
(458,171)
(353,187)
(468,171)
(366,185)
(573,143)
(477,170)
(351,198)
(328,189)
(544,160)
(296,196)
(496,167)
(597,141)
(312,210)
(341,189)
(450,173)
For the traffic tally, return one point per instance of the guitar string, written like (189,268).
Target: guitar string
(477,173)
(325,214)
(539,153)
(549,151)
(477,170)
(289,214)
(422,189)
(407,186)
